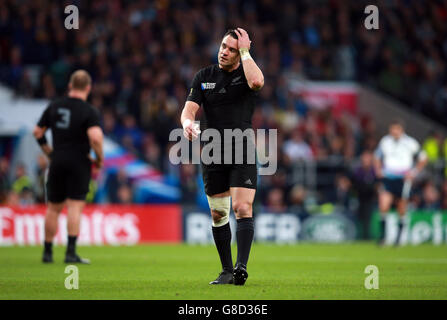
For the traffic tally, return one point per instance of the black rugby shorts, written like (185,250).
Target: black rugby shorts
(220,178)
(68,179)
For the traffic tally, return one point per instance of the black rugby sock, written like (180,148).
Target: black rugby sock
(48,247)
(399,230)
(244,235)
(71,246)
(382,228)
(222,239)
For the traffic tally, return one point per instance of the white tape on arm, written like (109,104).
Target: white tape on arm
(245,54)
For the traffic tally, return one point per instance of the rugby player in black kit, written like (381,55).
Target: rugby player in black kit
(75,128)
(227,91)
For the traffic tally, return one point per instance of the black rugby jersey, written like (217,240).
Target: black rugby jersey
(227,100)
(69,118)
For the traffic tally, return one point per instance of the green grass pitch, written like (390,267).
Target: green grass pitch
(303,271)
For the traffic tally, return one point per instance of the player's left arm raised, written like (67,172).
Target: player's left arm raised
(253,74)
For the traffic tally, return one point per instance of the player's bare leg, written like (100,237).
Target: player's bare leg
(220,210)
(51,222)
(243,209)
(402,210)
(74,211)
(385,201)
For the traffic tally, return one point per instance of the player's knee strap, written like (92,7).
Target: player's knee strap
(222,205)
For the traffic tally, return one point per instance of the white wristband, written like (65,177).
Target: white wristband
(245,54)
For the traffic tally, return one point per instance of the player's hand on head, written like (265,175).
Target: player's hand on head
(243,41)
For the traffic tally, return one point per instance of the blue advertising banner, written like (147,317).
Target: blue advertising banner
(281,228)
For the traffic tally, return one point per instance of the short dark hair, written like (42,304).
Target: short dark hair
(398,122)
(232,33)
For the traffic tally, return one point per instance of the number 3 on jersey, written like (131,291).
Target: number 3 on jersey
(64,121)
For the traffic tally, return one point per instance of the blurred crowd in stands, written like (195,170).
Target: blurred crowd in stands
(142,56)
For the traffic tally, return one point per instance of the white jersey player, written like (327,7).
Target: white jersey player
(398,160)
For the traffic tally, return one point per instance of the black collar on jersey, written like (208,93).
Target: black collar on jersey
(229,72)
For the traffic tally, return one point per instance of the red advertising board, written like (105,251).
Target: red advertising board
(100,225)
(340,97)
